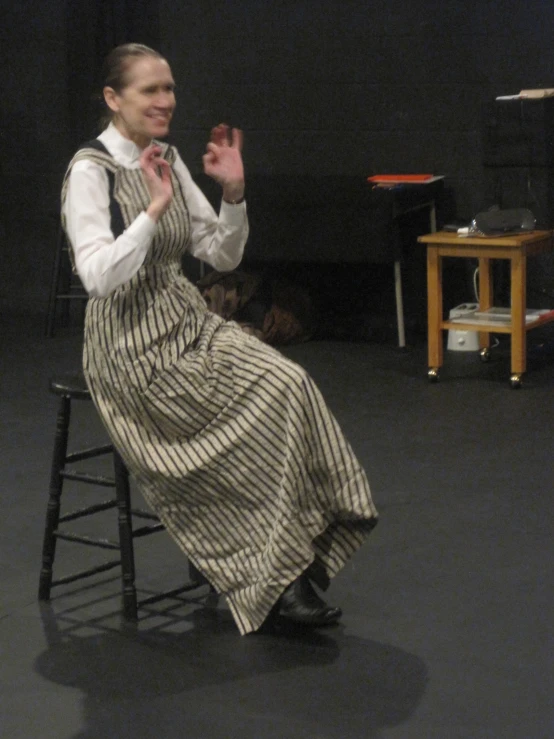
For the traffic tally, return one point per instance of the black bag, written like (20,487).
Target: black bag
(504,222)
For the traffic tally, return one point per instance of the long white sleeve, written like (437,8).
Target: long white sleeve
(104,262)
(219,241)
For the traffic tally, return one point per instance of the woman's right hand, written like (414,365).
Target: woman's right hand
(157,176)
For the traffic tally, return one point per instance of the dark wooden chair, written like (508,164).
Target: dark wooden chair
(66,288)
(69,389)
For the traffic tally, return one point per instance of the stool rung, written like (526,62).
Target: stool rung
(107,482)
(81,539)
(88,511)
(86,573)
(139,513)
(146,530)
(95,451)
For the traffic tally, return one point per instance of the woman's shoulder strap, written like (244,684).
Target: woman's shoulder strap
(96,152)
(94,144)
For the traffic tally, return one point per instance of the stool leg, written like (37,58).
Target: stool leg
(196,576)
(123,495)
(54,499)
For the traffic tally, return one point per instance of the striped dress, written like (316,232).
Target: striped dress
(231,443)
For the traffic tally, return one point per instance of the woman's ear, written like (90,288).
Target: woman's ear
(111,98)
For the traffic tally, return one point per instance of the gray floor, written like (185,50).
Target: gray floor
(447,628)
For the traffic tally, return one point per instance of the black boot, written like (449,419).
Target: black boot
(301,604)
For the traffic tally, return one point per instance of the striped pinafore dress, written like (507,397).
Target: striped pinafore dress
(230,443)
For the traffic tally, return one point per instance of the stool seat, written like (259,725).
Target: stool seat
(72,385)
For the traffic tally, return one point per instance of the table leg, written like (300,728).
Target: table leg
(485,296)
(434,307)
(518,269)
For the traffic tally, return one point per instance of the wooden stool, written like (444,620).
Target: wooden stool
(70,388)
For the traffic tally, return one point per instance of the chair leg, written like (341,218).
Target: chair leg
(125,524)
(54,498)
(52,300)
(399,305)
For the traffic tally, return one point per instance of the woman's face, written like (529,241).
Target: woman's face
(144,107)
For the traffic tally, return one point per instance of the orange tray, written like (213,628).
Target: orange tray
(400,178)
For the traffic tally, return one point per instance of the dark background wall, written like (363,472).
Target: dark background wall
(328,87)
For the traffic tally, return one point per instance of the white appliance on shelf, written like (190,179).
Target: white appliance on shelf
(463,341)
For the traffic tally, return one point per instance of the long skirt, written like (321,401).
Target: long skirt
(231,444)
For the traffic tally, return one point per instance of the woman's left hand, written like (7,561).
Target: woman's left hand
(157,177)
(223,161)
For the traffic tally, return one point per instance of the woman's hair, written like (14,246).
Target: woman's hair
(118,61)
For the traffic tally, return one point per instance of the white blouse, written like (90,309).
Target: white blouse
(103,262)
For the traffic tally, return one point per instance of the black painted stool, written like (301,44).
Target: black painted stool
(68,389)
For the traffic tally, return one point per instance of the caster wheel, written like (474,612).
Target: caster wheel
(515,381)
(485,355)
(433,374)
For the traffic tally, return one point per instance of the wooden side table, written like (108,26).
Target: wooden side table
(514,248)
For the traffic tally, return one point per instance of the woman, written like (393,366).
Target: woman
(230,443)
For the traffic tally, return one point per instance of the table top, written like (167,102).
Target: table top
(449,238)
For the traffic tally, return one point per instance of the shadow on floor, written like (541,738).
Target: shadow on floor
(133,681)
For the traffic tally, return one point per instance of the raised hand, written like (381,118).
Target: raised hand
(223,161)
(157,177)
